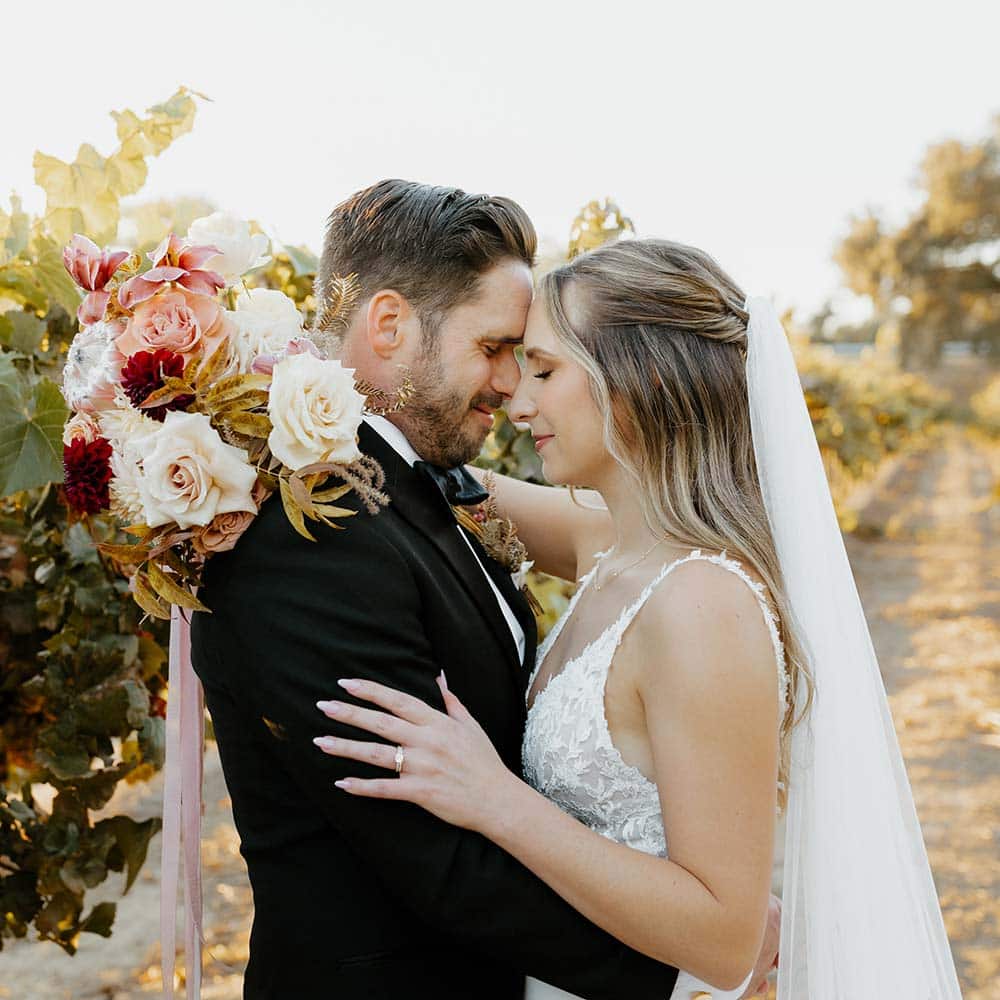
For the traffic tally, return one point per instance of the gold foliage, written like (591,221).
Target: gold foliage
(386,402)
(597,223)
(339,300)
(83,196)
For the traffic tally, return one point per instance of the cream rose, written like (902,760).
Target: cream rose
(315,412)
(82,426)
(189,474)
(265,320)
(241,250)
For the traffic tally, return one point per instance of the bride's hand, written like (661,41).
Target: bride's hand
(450,767)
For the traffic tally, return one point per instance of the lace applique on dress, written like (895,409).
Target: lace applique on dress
(567,752)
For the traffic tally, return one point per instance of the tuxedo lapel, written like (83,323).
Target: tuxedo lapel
(416,499)
(515,599)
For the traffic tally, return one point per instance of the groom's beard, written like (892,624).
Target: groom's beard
(438,419)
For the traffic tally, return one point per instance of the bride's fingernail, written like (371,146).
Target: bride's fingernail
(444,680)
(348,684)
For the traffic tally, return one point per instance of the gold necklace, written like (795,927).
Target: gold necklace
(618,572)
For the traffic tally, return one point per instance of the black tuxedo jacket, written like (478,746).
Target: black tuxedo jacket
(357,897)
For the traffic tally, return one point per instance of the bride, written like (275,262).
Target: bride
(713,669)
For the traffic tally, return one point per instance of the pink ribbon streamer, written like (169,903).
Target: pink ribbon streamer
(182,811)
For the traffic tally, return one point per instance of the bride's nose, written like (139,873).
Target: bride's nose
(520,407)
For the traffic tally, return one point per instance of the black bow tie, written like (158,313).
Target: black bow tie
(458,485)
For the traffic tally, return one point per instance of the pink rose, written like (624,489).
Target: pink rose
(91,268)
(177,262)
(177,320)
(224,530)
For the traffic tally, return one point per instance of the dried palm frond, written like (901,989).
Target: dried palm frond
(380,403)
(339,300)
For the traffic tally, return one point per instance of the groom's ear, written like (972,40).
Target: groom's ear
(389,323)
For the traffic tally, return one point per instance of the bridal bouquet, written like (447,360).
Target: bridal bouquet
(186,415)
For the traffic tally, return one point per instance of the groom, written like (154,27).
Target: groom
(357,897)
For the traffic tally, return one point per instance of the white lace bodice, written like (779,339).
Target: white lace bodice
(568,754)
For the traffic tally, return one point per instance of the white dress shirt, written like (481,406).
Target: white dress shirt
(396,440)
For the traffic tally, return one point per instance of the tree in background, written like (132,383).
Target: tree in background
(938,275)
(82,681)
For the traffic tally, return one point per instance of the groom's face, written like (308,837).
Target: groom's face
(466,369)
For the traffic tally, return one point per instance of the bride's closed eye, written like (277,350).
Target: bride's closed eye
(542,375)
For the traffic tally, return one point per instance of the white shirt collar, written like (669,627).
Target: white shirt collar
(393,437)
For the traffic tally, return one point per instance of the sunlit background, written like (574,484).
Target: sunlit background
(843,159)
(751,130)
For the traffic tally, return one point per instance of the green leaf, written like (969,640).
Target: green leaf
(31,422)
(51,275)
(17,282)
(79,546)
(133,840)
(100,919)
(304,261)
(21,331)
(14,228)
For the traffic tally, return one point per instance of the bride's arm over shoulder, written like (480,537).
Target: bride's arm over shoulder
(561,534)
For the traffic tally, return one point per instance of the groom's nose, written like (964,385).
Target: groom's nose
(506,374)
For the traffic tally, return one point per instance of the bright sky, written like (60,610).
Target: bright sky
(751,130)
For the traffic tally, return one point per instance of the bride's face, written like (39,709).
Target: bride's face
(554,398)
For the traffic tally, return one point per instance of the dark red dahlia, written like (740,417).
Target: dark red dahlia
(145,372)
(88,473)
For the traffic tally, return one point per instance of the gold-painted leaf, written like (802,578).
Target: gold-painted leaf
(127,554)
(171,591)
(327,496)
(234,386)
(292,512)
(167,393)
(148,599)
(248,401)
(300,493)
(256,425)
(327,510)
(211,368)
(339,299)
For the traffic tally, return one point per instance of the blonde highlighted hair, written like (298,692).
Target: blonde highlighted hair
(661,330)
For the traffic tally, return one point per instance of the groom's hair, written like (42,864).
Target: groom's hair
(429,243)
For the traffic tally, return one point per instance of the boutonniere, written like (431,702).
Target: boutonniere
(498,536)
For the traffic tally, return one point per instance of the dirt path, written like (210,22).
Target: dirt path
(931,588)
(926,561)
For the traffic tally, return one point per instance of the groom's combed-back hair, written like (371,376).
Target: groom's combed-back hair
(661,330)
(430,244)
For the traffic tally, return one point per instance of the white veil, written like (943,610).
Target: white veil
(860,914)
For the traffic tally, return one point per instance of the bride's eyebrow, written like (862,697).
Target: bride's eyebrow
(533,353)
(494,339)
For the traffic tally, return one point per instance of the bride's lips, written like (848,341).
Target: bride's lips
(541,442)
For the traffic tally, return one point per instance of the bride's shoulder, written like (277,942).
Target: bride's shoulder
(704,619)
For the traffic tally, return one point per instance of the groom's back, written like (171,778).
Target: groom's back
(331,919)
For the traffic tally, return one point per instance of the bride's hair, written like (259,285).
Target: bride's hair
(661,330)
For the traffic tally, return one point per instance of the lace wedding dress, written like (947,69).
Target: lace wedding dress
(569,756)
